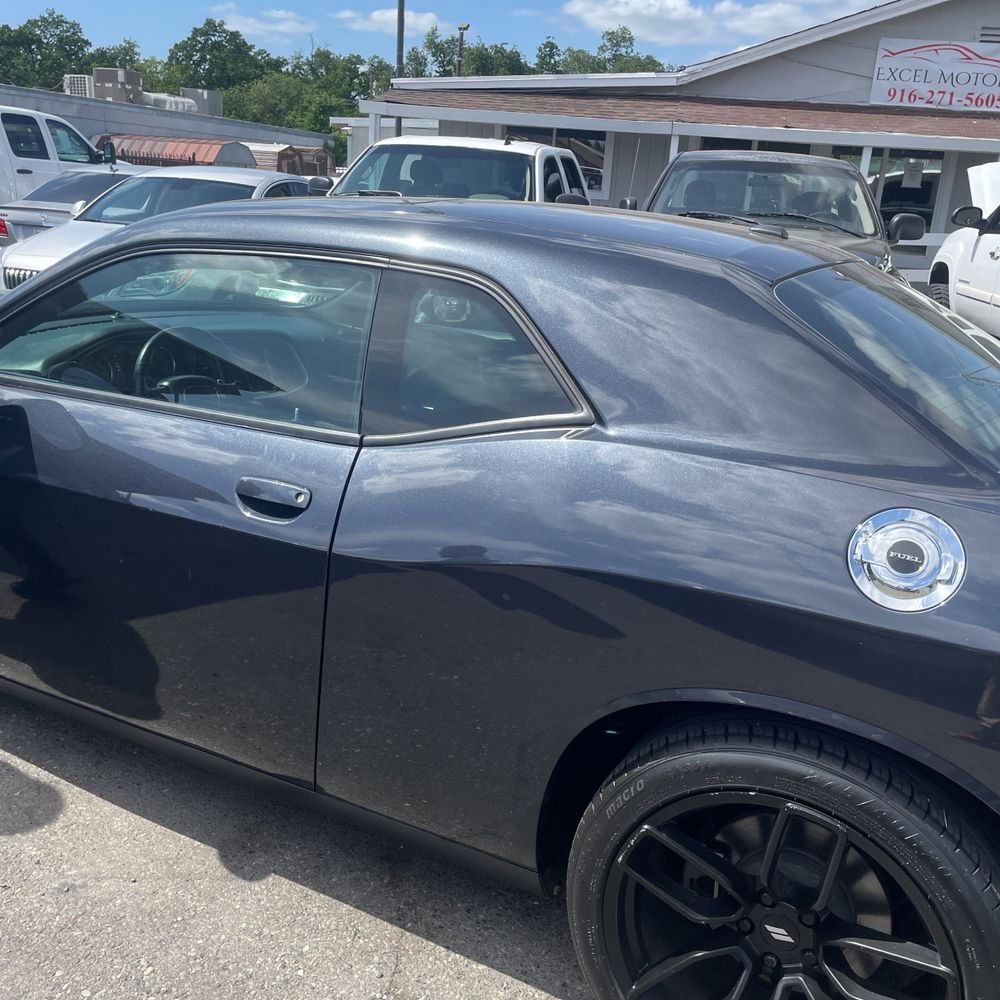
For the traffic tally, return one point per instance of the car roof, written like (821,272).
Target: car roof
(468,234)
(762,156)
(237,175)
(463,142)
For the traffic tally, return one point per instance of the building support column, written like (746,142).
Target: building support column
(675,145)
(374,128)
(866,161)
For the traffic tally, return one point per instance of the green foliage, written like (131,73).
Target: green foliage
(417,64)
(124,55)
(498,59)
(548,56)
(217,58)
(442,53)
(41,50)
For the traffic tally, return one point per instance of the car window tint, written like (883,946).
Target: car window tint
(70,147)
(552,185)
(931,359)
(278,191)
(573,175)
(446,354)
(75,185)
(270,338)
(142,197)
(24,136)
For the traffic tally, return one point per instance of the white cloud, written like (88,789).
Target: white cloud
(384,20)
(266,23)
(683,22)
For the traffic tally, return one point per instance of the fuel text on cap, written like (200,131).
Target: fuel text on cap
(906,560)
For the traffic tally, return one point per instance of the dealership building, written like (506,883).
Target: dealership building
(909,91)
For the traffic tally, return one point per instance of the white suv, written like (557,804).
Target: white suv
(965,275)
(458,167)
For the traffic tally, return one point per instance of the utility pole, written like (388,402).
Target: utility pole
(400,26)
(462,29)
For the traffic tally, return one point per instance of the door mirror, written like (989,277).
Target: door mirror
(571,199)
(108,153)
(968,217)
(632,204)
(77,207)
(906,226)
(319,186)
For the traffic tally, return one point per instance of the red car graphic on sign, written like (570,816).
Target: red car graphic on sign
(925,53)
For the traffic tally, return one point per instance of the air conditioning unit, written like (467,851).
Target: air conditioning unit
(78,85)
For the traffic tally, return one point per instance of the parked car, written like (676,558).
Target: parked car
(36,147)
(166,189)
(965,275)
(53,203)
(809,197)
(653,562)
(460,167)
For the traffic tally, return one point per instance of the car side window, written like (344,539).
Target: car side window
(264,337)
(278,191)
(69,146)
(552,184)
(25,137)
(297,188)
(447,354)
(573,177)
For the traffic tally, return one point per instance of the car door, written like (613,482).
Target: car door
(437,558)
(32,156)
(976,282)
(176,430)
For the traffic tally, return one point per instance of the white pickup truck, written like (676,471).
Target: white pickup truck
(35,147)
(460,167)
(965,275)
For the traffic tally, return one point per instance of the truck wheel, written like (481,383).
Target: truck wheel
(763,861)
(939,293)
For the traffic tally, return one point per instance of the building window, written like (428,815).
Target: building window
(592,150)
(783,147)
(721,142)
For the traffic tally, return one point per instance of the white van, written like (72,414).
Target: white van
(35,147)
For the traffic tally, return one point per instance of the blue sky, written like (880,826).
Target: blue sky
(678,31)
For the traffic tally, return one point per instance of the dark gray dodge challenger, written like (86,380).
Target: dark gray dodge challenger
(647,562)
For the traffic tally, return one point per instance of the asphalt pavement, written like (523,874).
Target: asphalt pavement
(125,874)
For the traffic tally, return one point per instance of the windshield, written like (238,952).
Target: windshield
(72,187)
(797,195)
(442,172)
(934,361)
(142,197)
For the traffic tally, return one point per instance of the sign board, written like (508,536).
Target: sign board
(956,76)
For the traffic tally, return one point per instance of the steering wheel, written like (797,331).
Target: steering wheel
(178,383)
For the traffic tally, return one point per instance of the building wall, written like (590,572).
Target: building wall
(93,118)
(840,70)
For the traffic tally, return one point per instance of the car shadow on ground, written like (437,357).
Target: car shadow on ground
(256,835)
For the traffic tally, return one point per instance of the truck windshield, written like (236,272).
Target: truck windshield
(143,197)
(441,172)
(806,195)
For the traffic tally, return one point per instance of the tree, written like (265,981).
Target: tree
(617,53)
(498,59)
(417,63)
(580,61)
(42,50)
(216,57)
(441,52)
(548,56)
(161,77)
(124,55)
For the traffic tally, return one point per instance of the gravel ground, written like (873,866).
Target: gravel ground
(125,874)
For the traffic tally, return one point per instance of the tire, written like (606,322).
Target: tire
(939,293)
(758,860)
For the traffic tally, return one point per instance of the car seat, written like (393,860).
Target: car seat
(700,196)
(426,176)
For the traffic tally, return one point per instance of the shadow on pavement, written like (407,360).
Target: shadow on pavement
(27,804)
(255,835)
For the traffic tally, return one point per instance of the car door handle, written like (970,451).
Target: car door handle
(24,170)
(271,499)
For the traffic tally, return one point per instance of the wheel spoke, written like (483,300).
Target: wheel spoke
(694,906)
(889,949)
(670,967)
(799,986)
(776,841)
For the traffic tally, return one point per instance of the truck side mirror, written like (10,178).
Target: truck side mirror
(630,203)
(906,226)
(77,207)
(109,154)
(319,186)
(968,217)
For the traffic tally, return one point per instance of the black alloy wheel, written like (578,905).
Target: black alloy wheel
(738,861)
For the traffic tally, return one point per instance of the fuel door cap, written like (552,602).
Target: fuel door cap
(906,560)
